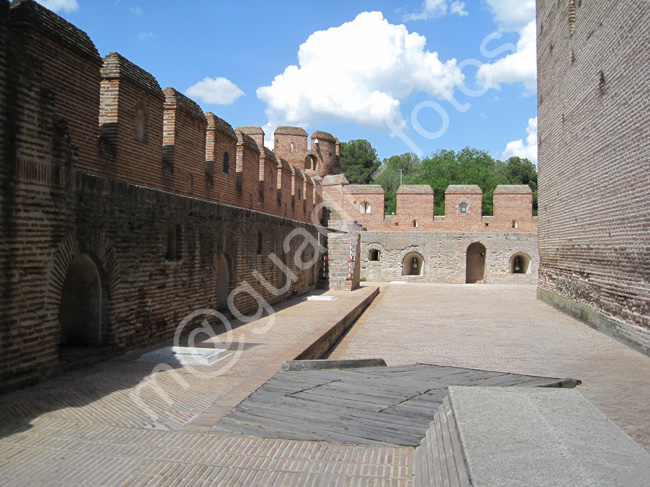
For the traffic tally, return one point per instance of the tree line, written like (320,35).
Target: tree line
(361,165)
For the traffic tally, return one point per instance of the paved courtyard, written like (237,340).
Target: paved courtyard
(504,328)
(84,428)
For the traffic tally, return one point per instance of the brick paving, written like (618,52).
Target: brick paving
(504,328)
(84,429)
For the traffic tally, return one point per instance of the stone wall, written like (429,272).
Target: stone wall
(442,257)
(593,163)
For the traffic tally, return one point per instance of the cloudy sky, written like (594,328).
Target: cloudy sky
(409,76)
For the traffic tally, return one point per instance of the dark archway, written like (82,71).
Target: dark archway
(520,263)
(412,264)
(223,283)
(475,263)
(80,308)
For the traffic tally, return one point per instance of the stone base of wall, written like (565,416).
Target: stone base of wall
(442,256)
(343,252)
(633,336)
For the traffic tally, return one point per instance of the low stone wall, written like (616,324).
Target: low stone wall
(442,257)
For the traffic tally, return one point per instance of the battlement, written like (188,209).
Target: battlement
(321,160)
(145,135)
(513,207)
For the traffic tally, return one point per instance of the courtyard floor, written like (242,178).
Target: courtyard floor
(105,426)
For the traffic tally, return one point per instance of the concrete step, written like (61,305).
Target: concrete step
(514,436)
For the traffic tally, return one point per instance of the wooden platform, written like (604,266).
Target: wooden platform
(376,405)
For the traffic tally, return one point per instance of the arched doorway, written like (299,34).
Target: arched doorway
(80,309)
(475,263)
(223,283)
(412,264)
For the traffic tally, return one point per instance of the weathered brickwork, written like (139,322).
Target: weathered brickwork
(593,163)
(513,207)
(443,257)
(344,252)
(118,219)
(323,159)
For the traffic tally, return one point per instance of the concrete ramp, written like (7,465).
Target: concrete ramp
(509,437)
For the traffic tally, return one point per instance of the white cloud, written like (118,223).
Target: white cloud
(432,9)
(357,72)
(524,148)
(146,35)
(57,5)
(512,15)
(136,10)
(218,91)
(521,65)
(458,8)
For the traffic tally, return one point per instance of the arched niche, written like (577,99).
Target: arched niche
(475,263)
(80,308)
(520,263)
(412,264)
(223,283)
(374,255)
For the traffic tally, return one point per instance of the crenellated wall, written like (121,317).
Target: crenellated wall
(513,207)
(119,215)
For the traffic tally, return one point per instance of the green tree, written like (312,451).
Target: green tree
(359,161)
(468,166)
(403,168)
(522,171)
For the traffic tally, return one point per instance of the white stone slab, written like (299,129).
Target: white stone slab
(398,282)
(537,437)
(185,356)
(321,298)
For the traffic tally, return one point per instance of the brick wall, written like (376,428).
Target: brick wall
(285,188)
(221,156)
(248,160)
(152,256)
(414,207)
(127,92)
(291,145)
(343,274)
(327,154)
(184,138)
(593,161)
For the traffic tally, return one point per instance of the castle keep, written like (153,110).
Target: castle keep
(594,225)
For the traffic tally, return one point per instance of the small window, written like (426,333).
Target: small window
(307,162)
(226,163)
(292,146)
(260,242)
(374,255)
(174,242)
(414,223)
(514,224)
(299,194)
(365,207)
(463,207)
(520,264)
(140,119)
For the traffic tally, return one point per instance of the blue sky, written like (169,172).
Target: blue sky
(409,76)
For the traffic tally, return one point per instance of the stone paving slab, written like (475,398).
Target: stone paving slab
(538,437)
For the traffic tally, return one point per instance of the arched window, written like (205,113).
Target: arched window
(140,119)
(307,162)
(291,145)
(365,207)
(520,263)
(514,224)
(463,207)
(226,162)
(414,223)
(374,255)
(412,264)
(299,194)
